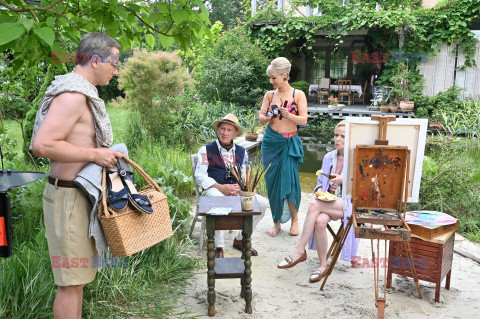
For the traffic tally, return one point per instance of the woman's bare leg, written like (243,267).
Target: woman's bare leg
(294,229)
(315,208)
(321,239)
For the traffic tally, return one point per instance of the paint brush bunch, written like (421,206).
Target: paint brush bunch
(249,181)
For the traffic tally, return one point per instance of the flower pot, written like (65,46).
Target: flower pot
(249,136)
(393,109)
(406,106)
(246,199)
(384,109)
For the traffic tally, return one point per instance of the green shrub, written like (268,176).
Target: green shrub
(447,181)
(320,127)
(110,91)
(232,71)
(301,85)
(29,121)
(406,81)
(465,119)
(431,107)
(151,82)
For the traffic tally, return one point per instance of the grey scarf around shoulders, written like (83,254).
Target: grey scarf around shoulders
(72,82)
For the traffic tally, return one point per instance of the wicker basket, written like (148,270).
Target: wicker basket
(130,231)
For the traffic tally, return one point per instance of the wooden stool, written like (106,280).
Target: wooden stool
(432,259)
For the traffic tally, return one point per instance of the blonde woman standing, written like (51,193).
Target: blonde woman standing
(283,109)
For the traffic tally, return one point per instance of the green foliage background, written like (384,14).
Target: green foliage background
(233,70)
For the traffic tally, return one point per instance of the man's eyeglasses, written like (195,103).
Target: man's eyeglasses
(115,65)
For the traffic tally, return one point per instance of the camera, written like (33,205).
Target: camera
(228,175)
(273,111)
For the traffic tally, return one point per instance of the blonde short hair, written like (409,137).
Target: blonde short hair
(341,123)
(279,66)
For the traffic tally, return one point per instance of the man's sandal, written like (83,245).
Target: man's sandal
(288,262)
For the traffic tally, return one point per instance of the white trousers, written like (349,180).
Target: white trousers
(262,204)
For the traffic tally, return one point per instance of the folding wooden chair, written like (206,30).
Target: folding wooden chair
(336,238)
(196,218)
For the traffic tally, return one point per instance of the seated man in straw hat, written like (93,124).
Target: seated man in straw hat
(215,179)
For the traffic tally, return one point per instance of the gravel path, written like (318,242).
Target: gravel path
(349,293)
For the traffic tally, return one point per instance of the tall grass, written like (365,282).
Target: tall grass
(147,284)
(447,181)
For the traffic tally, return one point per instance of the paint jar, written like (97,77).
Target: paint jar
(247,198)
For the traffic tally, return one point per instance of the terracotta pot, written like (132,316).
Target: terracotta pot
(393,109)
(407,106)
(384,109)
(249,136)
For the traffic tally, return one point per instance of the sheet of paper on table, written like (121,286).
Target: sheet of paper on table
(219,211)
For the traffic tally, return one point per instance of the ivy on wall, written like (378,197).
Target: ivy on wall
(400,23)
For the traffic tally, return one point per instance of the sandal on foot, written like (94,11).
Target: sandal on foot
(317,275)
(117,193)
(288,262)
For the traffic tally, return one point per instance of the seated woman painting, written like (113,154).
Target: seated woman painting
(321,212)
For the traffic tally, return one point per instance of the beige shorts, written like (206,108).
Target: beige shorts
(72,253)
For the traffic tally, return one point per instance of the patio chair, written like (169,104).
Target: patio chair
(198,192)
(323,89)
(345,89)
(362,94)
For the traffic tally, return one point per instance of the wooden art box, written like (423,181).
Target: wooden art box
(379,192)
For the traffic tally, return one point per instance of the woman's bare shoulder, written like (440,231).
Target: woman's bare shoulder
(300,93)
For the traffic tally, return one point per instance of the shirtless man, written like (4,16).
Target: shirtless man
(69,137)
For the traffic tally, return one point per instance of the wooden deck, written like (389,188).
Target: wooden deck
(315,110)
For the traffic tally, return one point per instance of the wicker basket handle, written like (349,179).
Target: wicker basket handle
(142,173)
(139,170)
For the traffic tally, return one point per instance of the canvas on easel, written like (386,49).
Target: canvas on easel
(407,132)
(383,157)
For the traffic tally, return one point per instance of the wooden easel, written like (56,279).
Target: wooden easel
(341,236)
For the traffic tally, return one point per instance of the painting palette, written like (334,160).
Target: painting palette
(379,191)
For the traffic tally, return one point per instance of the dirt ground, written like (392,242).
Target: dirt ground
(349,293)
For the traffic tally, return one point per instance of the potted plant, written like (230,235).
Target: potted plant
(393,106)
(251,134)
(404,83)
(333,104)
(384,108)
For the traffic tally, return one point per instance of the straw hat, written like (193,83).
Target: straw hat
(230,119)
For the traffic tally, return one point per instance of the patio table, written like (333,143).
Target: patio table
(313,88)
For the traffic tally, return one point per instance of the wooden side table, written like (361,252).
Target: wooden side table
(432,259)
(225,268)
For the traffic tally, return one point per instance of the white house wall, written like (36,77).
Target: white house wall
(439,72)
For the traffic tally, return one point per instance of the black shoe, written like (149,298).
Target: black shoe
(219,253)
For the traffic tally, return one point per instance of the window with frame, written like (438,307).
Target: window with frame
(338,64)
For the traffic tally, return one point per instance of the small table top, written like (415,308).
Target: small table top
(205,203)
